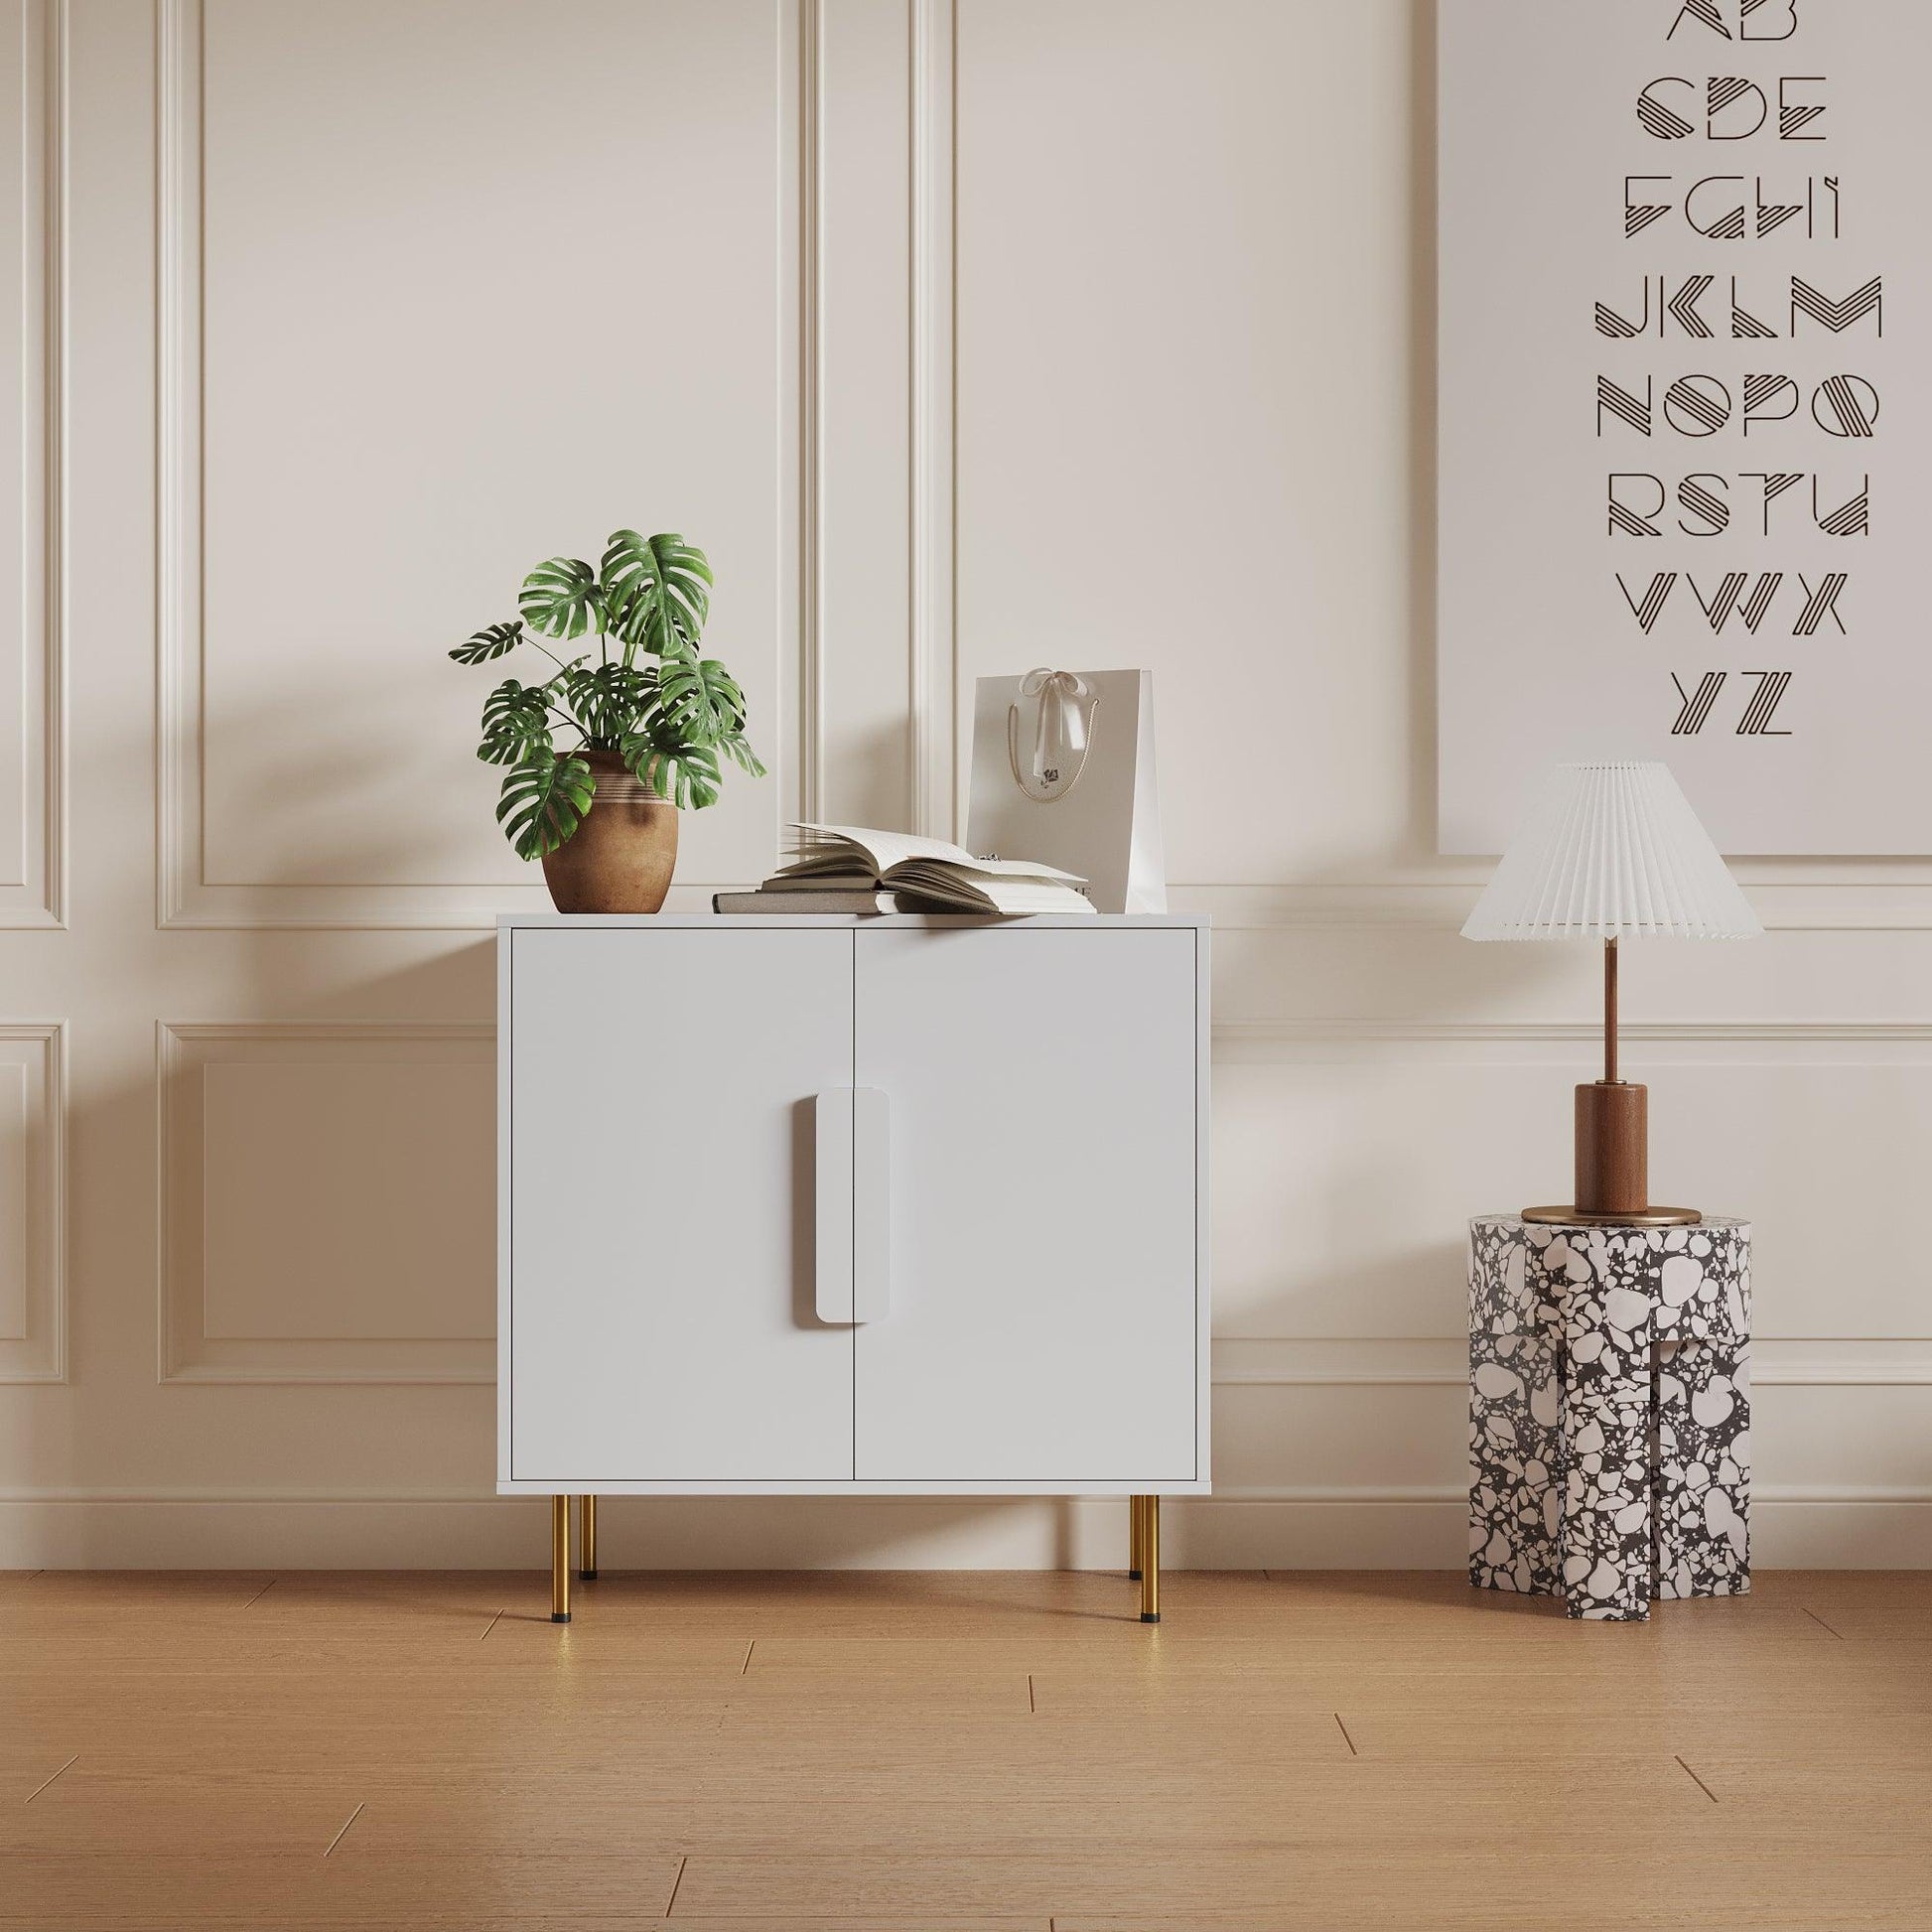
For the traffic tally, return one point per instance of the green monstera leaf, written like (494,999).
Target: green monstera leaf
(701,699)
(738,749)
(515,719)
(492,641)
(560,599)
(657,590)
(544,801)
(608,700)
(685,773)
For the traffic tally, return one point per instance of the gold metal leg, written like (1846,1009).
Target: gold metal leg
(1149,1558)
(587,1537)
(1133,1538)
(559,1559)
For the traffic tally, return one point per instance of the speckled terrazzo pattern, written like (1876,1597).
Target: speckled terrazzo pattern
(1609,1412)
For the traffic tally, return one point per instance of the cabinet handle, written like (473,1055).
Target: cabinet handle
(832,1183)
(871,1208)
(853,1237)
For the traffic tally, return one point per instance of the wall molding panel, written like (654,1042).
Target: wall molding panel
(327,1232)
(811,697)
(33,1200)
(937,807)
(1751,1116)
(185,895)
(33,872)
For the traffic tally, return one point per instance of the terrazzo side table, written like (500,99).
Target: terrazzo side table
(1609,1412)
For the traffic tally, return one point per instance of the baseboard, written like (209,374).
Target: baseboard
(1251,1530)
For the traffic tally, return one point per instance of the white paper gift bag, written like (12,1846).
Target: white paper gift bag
(1064,772)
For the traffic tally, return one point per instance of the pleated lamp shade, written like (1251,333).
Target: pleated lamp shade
(1613,851)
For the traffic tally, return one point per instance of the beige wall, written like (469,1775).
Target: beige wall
(1095,332)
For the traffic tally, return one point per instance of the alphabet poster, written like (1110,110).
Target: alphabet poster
(1685,412)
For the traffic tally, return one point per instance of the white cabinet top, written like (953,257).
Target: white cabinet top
(608,921)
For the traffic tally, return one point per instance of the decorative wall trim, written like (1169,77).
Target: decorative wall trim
(42,1356)
(811,403)
(40,899)
(184,1352)
(934,668)
(1442,1362)
(177,54)
(1778,1495)
(183,895)
(1893,897)
(1253,1529)
(1238,1039)
(1816,1495)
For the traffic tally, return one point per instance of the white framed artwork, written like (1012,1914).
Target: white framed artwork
(1685,411)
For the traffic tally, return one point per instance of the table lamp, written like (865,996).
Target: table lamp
(1613,851)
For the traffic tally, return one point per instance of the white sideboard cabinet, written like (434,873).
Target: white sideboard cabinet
(817,1207)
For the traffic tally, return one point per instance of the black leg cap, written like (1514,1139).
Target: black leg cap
(555,1619)
(1132,1576)
(586,1576)
(1150,1616)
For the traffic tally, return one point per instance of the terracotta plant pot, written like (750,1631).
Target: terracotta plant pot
(622,857)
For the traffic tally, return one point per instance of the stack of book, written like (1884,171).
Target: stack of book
(848,869)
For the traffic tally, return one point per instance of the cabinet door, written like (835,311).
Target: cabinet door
(1040,1318)
(662,1318)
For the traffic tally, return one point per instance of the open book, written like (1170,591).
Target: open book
(946,876)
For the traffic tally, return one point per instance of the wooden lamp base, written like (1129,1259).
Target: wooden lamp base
(1612,1163)
(1566,1216)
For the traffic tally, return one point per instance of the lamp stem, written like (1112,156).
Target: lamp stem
(1609,1009)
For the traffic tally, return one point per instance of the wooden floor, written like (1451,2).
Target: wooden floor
(957,1749)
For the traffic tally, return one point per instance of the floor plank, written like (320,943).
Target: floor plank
(1310,1884)
(929,1753)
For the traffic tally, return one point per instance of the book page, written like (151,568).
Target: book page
(982,886)
(889,849)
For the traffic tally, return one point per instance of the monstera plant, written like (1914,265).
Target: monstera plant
(647,719)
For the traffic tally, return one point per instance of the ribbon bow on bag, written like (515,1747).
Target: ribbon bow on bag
(1060,730)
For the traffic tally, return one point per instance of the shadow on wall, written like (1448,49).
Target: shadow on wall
(115,1424)
(335,805)
(115,1414)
